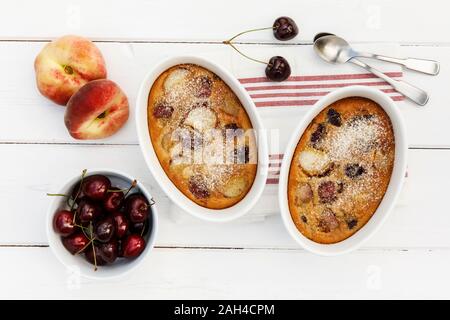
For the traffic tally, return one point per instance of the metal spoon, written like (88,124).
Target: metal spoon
(346,52)
(336,50)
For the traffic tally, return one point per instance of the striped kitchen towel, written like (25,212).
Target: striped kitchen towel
(283,104)
(280,103)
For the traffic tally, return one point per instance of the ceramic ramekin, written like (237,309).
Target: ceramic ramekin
(221,215)
(77,264)
(395,184)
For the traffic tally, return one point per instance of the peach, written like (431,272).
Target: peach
(98,110)
(65,65)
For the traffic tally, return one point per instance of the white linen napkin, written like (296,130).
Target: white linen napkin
(282,105)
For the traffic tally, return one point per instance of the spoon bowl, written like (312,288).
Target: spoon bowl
(321,34)
(332,48)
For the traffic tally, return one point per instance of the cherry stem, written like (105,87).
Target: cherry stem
(243,54)
(78,193)
(230,43)
(93,247)
(82,228)
(116,190)
(143,229)
(57,195)
(95,258)
(87,245)
(248,31)
(133,184)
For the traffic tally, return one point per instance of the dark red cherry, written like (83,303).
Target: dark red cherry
(88,211)
(284,28)
(75,242)
(109,251)
(140,228)
(278,69)
(133,246)
(77,193)
(89,255)
(120,249)
(63,222)
(113,200)
(96,186)
(105,229)
(121,224)
(137,207)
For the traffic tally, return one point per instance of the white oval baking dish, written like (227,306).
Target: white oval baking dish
(221,215)
(395,184)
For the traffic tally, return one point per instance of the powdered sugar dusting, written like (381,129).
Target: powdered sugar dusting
(360,150)
(355,138)
(198,145)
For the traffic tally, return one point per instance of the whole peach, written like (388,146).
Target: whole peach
(65,65)
(98,110)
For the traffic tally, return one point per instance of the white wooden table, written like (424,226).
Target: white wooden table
(408,258)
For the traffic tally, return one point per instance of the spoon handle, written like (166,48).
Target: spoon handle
(415,94)
(422,65)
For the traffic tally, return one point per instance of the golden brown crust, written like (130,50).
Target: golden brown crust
(341,169)
(194,103)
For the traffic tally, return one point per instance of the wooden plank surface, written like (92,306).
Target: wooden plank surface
(236,274)
(407,258)
(420,220)
(128,64)
(401,21)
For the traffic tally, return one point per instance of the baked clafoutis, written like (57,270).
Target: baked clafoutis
(341,169)
(202,136)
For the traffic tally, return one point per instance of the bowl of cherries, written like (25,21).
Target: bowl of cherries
(102,223)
